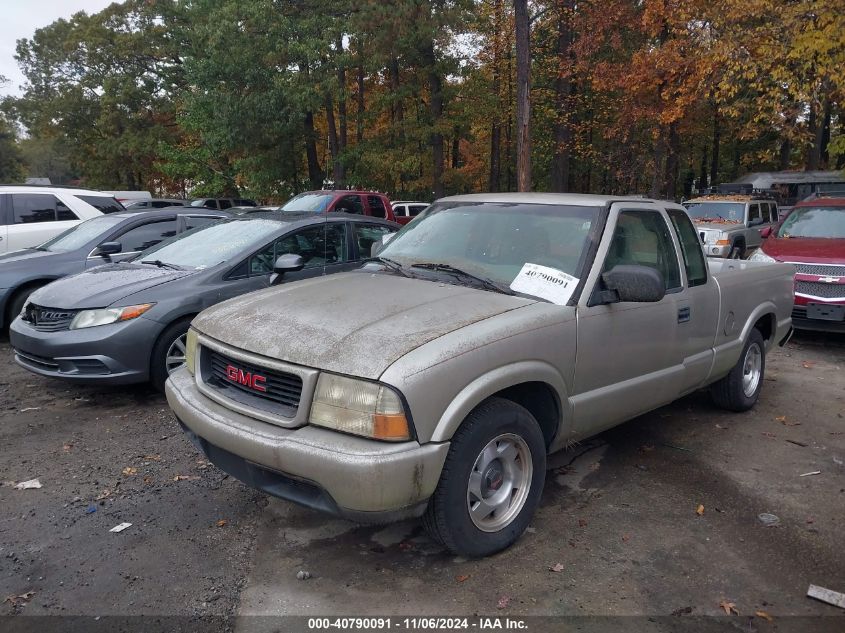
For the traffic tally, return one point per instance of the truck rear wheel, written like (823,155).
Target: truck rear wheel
(739,390)
(491,482)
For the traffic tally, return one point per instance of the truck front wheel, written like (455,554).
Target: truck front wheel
(491,482)
(739,390)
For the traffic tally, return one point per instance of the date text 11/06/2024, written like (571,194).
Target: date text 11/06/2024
(417,623)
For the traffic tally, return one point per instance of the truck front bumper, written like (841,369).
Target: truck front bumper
(356,478)
(713,250)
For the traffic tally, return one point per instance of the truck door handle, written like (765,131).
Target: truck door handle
(683,314)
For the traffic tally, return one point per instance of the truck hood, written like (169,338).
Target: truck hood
(722,225)
(355,323)
(813,250)
(103,286)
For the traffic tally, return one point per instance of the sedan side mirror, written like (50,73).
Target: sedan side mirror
(635,283)
(107,248)
(287,263)
(764,233)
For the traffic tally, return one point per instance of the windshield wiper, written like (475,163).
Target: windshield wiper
(392,265)
(161,264)
(485,283)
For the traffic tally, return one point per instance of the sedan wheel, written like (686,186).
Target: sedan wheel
(176,354)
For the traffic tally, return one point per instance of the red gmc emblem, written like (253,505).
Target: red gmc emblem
(246,378)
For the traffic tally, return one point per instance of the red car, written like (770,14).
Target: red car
(361,202)
(812,236)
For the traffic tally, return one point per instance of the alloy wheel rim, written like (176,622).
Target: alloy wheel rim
(175,356)
(752,368)
(499,482)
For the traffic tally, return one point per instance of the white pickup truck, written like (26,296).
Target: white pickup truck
(492,330)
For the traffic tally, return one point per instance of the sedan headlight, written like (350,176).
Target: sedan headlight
(359,407)
(760,256)
(92,318)
(191,350)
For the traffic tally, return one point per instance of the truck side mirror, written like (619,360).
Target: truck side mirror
(635,283)
(755,222)
(107,248)
(764,233)
(287,263)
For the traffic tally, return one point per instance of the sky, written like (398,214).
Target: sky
(20,18)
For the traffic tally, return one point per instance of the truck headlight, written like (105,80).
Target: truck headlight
(359,407)
(92,318)
(760,256)
(191,350)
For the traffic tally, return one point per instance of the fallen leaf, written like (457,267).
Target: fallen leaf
(781,419)
(700,510)
(503,602)
(67,447)
(807,364)
(16,600)
(129,471)
(148,480)
(728,607)
(186,477)
(557,568)
(626,538)
(462,577)
(582,522)
(764,615)
(222,522)
(103,495)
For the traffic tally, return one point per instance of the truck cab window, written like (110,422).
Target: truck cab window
(690,248)
(642,238)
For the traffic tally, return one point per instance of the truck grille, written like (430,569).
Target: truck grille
(823,270)
(48,319)
(275,391)
(819,289)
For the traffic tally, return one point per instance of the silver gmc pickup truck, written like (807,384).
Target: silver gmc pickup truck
(488,333)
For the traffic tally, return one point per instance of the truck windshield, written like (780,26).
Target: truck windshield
(495,240)
(716,211)
(814,222)
(212,245)
(310,202)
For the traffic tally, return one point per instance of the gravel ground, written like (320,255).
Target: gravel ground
(620,520)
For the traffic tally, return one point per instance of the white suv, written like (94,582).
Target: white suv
(31,215)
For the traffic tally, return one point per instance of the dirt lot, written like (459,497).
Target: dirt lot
(618,520)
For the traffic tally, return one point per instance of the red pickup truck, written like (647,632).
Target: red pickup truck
(812,237)
(369,203)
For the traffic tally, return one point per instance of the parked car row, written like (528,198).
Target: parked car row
(327,355)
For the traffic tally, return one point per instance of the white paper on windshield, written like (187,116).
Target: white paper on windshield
(547,283)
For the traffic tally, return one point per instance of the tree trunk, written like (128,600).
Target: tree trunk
(435,85)
(825,139)
(714,159)
(315,174)
(334,149)
(523,95)
(456,149)
(397,112)
(702,170)
(563,89)
(341,94)
(495,176)
(359,120)
(785,154)
(670,188)
(813,152)
(659,157)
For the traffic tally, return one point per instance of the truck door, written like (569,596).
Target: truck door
(698,308)
(627,359)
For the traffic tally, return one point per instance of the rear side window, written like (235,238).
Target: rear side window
(143,237)
(225,204)
(690,248)
(753,212)
(377,209)
(415,209)
(106,204)
(28,208)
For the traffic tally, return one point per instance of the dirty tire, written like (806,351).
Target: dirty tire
(447,518)
(158,359)
(733,392)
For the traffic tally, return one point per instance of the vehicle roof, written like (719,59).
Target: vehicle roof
(730,197)
(409,202)
(573,199)
(344,192)
(305,218)
(52,189)
(159,213)
(838,201)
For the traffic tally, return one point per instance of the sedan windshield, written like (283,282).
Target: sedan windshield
(310,202)
(714,211)
(211,245)
(81,234)
(814,222)
(493,241)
